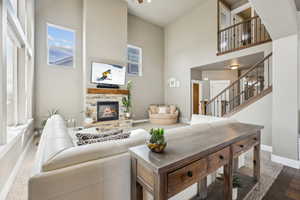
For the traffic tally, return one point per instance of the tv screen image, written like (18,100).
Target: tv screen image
(108,74)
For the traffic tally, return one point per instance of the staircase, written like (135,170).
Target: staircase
(247,89)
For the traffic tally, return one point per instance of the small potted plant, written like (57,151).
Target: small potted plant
(236,184)
(127,100)
(157,141)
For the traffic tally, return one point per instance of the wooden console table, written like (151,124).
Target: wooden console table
(191,159)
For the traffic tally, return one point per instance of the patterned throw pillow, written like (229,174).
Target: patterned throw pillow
(87,136)
(104,139)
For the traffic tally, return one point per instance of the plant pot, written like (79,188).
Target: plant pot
(88,120)
(157,148)
(234,193)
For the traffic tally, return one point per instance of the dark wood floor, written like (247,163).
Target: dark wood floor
(286,186)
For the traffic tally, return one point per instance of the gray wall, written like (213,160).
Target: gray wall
(231,75)
(191,41)
(102,31)
(148,88)
(105,33)
(260,113)
(58,87)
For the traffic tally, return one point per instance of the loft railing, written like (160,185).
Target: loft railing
(253,83)
(245,34)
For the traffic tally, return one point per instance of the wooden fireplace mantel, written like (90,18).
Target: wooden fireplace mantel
(106,91)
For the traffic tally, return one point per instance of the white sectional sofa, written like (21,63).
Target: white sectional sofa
(101,171)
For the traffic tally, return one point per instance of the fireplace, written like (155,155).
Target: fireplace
(107,111)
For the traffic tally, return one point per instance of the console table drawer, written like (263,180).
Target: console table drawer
(218,159)
(186,176)
(244,145)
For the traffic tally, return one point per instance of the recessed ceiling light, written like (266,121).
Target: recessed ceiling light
(234,66)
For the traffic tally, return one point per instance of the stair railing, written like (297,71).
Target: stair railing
(248,86)
(242,35)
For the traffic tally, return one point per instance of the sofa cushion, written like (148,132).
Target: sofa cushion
(80,154)
(173,109)
(56,139)
(163,109)
(153,109)
(164,116)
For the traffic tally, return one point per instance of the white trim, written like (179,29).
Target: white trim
(140,121)
(286,161)
(241,8)
(12,177)
(266,148)
(74,46)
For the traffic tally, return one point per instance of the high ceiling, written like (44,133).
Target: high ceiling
(297,4)
(162,12)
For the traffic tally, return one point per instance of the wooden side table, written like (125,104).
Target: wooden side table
(190,160)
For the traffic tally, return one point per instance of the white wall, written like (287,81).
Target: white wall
(191,41)
(148,88)
(285,97)
(259,113)
(58,87)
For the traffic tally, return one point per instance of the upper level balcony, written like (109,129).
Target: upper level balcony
(239,27)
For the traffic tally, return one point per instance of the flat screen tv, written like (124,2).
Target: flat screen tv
(107,74)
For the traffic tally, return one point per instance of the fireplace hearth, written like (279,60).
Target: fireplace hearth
(107,111)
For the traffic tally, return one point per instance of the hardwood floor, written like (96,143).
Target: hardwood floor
(286,186)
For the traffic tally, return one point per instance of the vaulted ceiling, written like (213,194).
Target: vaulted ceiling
(162,12)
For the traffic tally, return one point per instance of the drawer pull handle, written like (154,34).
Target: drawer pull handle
(242,146)
(221,157)
(190,174)
(255,138)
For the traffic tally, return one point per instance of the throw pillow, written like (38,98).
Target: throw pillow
(163,110)
(173,109)
(153,109)
(104,139)
(86,136)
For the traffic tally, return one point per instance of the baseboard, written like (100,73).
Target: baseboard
(266,148)
(286,161)
(184,120)
(140,121)
(12,177)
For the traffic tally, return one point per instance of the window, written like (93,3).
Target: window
(12,58)
(61,46)
(134,66)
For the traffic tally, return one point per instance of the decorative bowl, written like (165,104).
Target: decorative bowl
(157,148)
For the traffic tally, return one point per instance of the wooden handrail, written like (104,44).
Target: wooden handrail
(237,24)
(242,76)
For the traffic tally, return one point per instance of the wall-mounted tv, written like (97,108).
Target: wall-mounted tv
(107,74)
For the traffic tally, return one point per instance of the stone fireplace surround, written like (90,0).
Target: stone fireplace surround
(94,96)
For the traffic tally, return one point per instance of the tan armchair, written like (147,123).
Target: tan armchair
(163,115)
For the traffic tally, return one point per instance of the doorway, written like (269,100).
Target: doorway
(196,98)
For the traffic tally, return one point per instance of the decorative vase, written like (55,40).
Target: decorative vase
(234,193)
(157,148)
(88,120)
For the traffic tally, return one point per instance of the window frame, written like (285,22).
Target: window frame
(74,48)
(140,63)
(16,46)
